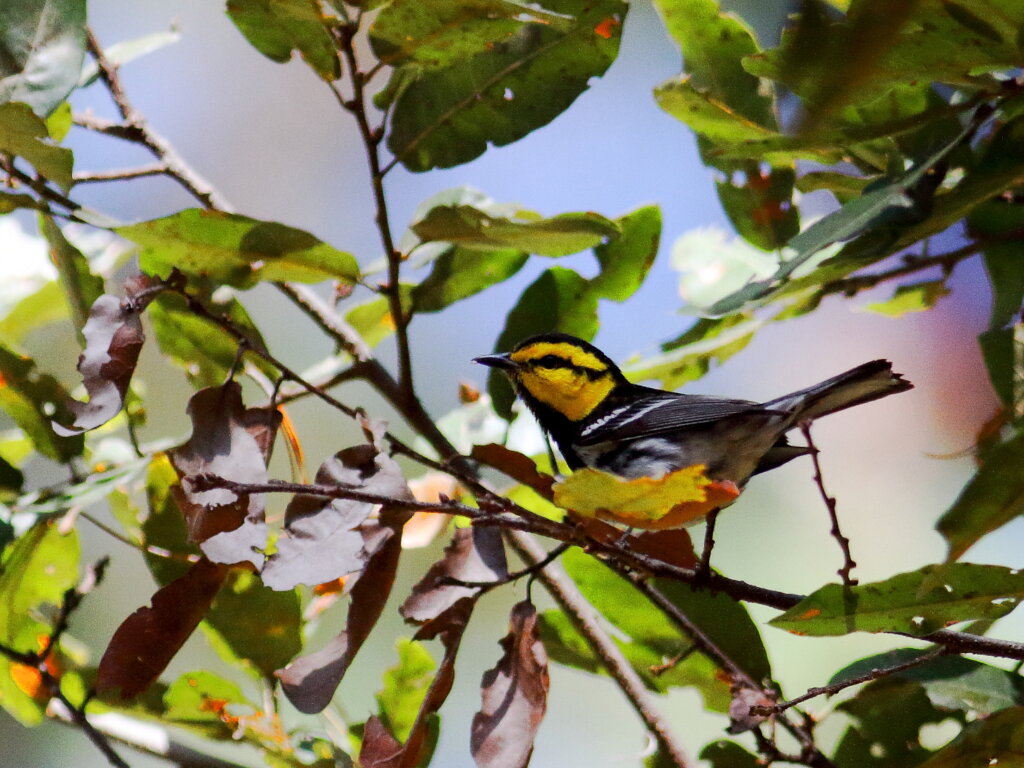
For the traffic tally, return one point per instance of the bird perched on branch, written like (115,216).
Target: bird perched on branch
(601,420)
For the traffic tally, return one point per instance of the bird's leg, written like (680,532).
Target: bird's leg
(703,569)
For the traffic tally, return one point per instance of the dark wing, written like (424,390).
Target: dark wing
(653,412)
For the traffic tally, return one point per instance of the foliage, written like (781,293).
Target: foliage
(908,114)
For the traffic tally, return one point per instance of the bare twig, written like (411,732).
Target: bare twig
(875,674)
(154,169)
(135,128)
(844,543)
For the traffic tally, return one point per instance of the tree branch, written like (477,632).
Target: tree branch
(830,503)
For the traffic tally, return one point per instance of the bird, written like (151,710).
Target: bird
(601,420)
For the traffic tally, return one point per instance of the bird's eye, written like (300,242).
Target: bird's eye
(550,361)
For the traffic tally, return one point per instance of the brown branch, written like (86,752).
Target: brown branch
(875,674)
(88,177)
(135,128)
(371,138)
(830,503)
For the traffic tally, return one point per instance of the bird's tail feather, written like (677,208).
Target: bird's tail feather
(862,384)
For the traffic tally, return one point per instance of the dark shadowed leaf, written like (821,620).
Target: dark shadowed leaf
(31,399)
(459,273)
(233,442)
(519,467)
(81,287)
(526,231)
(11,481)
(887,718)
(24,134)
(447,116)
(236,250)
(146,641)
(325,539)
(951,682)
(474,554)
(995,741)
(916,603)
(113,340)
(42,44)
(1000,349)
(310,681)
(514,695)
(992,498)
(997,219)
(437,33)
(728,754)
(35,570)
(275,28)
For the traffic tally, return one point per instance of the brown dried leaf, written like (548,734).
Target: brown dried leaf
(113,340)
(518,466)
(673,545)
(146,641)
(474,554)
(380,749)
(233,442)
(514,696)
(328,538)
(310,681)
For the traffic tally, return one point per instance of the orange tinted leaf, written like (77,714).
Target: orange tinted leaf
(606,27)
(517,466)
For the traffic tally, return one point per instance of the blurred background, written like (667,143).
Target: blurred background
(272,140)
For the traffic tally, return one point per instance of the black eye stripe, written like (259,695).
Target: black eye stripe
(554,361)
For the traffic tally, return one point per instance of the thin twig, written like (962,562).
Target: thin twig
(87,177)
(508,578)
(844,543)
(875,674)
(135,128)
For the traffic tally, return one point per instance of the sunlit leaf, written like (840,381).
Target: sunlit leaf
(31,399)
(24,134)
(913,297)
(462,272)
(236,250)
(405,686)
(915,603)
(42,44)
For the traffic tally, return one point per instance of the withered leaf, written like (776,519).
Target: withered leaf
(146,641)
(380,749)
(671,545)
(310,681)
(475,554)
(233,442)
(518,466)
(514,696)
(113,340)
(325,539)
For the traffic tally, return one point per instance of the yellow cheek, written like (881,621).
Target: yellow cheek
(571,394)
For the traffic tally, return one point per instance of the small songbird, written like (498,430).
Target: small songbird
(600,420)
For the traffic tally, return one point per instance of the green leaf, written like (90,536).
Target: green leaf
(459,273)
(81,287)
(164,524)
(626,259)
(203,348)
(12,201)
(913,297)
(42,44)
(691,355)
(997,740)
(888,715)
(121,53)
(445,117)
(254,626)
(915,603)
(997,220)
(526,231)
(951,682)
(24,134)
(565,645)
(275,28)
(558,300)
(11,481)
(707,114)
(1003,351)
(991,499)
(236,250)
(92,490)
(405,687)
(198,697)
(32,399)
(440,33)
(37,310)
(373,320)
(35,571)
(728,754)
